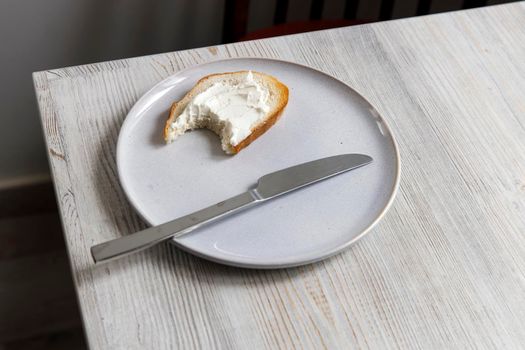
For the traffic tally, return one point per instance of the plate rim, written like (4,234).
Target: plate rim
(272,265)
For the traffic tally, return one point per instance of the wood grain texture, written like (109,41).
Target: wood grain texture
(445,268)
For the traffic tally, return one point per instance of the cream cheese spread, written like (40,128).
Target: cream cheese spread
(232,110)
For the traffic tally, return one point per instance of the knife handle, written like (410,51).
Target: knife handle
(176,228)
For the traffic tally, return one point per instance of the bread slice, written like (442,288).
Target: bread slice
(271,94)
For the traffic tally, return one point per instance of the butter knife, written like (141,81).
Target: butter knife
(268,187)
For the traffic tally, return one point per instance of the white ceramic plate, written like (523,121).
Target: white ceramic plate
(324,117)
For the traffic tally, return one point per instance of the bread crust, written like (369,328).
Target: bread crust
(257,131)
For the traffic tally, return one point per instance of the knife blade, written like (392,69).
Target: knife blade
(268,187)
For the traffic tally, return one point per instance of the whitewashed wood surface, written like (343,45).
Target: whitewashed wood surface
(444,269)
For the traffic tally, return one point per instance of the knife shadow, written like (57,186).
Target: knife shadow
(172,263)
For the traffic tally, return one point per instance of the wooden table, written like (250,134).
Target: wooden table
(446,266)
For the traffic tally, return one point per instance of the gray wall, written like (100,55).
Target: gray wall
(42,34)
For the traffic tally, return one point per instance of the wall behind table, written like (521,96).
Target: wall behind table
(44,34)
